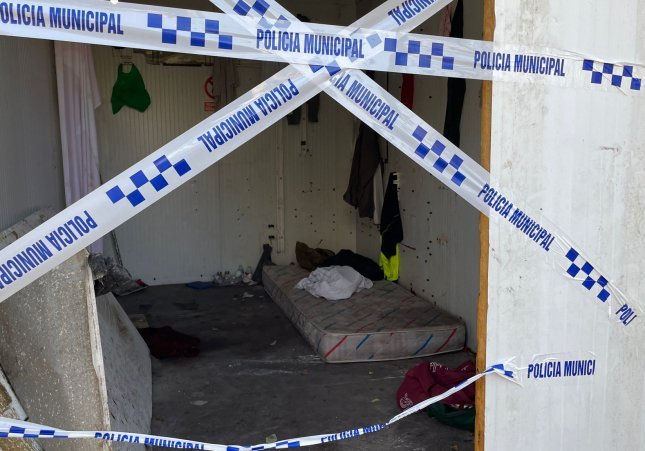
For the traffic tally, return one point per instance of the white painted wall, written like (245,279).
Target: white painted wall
(440,226)
(577,156)
(221,218)
(31,174)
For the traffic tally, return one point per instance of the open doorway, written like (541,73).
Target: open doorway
(285,186)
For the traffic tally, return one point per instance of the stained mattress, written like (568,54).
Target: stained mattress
(385,322)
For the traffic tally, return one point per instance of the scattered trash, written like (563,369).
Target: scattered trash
(375,400)
(139,320)
(247,279)
(247,295)
(271,438)
(110,277)
(199,403)
(200,285)
(241,276)
(165,342)
(275,342)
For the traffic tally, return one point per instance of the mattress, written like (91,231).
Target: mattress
(385,322)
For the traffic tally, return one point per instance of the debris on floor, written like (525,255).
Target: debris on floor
(139,320)
(255,390)
(111,277)
(165,342)
(200,285)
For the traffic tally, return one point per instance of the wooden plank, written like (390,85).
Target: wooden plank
(482,304)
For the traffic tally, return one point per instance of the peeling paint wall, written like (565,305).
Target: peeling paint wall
(440,256)
(31,173)
(221,218)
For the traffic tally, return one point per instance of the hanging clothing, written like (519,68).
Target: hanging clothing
(130,90)
(447,14)
(407,91)
(456,86)
(367,158)
(379,195)
(391,231)
(313,105)
(78,97)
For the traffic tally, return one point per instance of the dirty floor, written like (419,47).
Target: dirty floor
(256,376)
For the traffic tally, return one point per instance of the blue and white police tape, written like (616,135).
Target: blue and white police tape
(277,37)
(31,256)
(424,145)
(10,428)
(48,245)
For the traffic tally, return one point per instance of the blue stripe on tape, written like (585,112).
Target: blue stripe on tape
(19,431)
(197,31)
(140,180)
(412,54)
(592,279)
(615,73)
(242,8)
(440,164)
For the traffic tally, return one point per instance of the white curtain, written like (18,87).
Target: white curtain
(78,97)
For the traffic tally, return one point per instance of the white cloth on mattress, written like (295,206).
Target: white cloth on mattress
(334,283)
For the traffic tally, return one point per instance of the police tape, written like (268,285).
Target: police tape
(280,38)
(10,428)
(92,217)
(424,145)
(138,187)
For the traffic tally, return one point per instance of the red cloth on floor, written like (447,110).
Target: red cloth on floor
(407,90)
(430,379)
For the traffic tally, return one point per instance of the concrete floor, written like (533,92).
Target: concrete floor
(256,376)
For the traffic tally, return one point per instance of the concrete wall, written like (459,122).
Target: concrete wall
(50,347)
(221,218)
(576,156)
(441,230)
(31,172)
(74,362)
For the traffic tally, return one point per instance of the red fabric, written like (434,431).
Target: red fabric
(407,90)
(430,379)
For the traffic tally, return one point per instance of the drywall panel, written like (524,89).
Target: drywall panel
(31,174)
(575,156)
(220,219)
(440,251)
